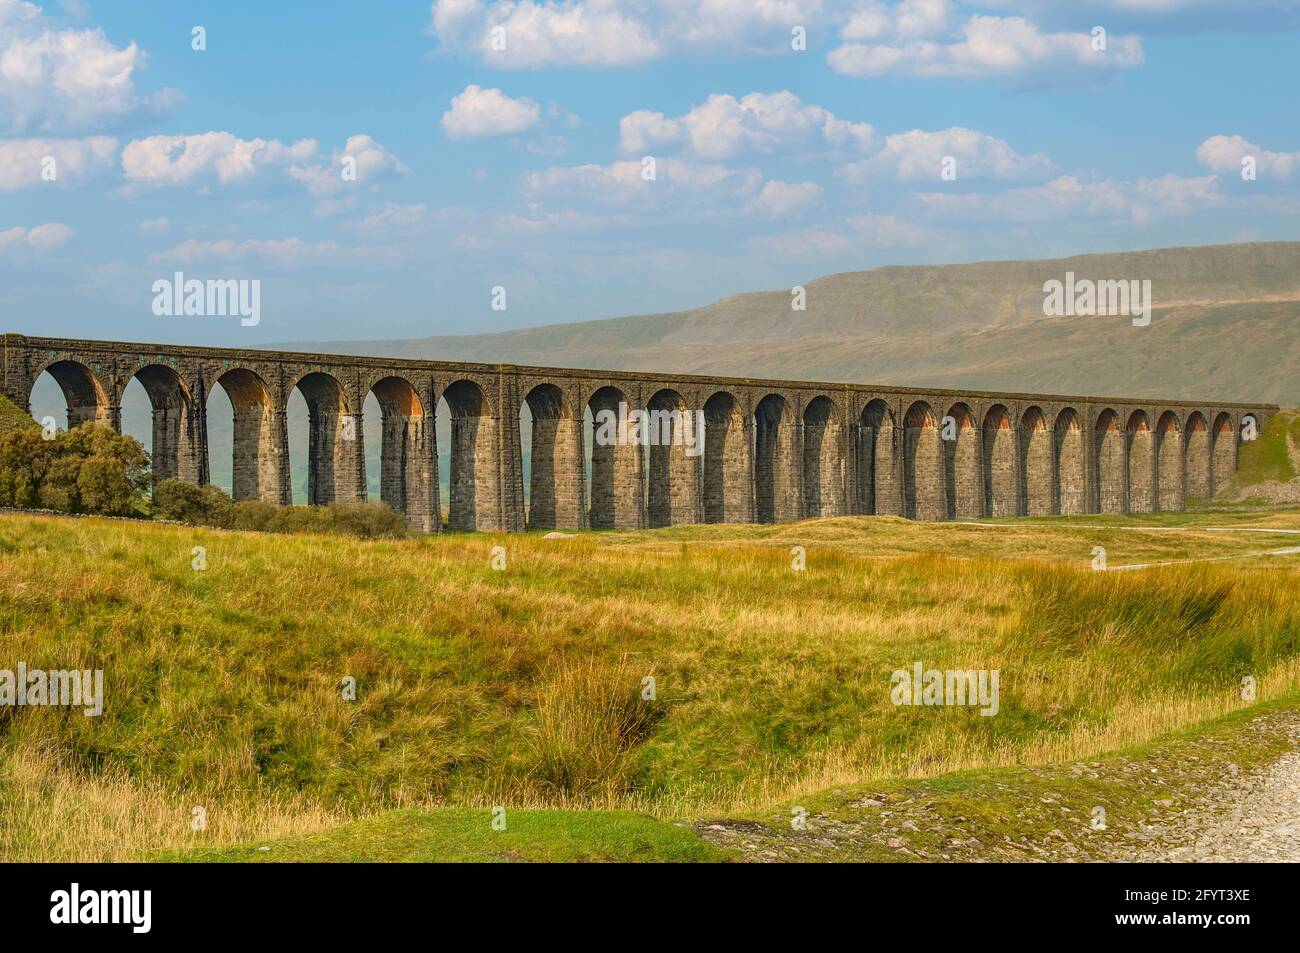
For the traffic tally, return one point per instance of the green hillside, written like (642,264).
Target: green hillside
(1225,324)
(14,418)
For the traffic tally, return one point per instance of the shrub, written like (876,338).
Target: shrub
(253,515)
(363,520)
(299,519)
(90,469)
(366,520)
(198,505)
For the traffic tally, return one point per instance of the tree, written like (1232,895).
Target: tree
(90,469)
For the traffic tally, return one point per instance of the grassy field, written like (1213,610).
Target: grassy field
(524,688)
(1271,457)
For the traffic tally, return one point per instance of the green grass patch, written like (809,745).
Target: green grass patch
(467,835)
(14,418)
(1268,457)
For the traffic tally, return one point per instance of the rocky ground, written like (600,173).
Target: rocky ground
(1257,819)
(1230,794)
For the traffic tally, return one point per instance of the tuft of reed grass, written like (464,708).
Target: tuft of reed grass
(591,715)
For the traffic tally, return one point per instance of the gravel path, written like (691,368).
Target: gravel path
(1262,824)
(1189,801)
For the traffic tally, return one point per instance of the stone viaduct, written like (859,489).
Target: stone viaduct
(772,450)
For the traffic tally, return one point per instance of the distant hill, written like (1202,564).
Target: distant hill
(1226,323)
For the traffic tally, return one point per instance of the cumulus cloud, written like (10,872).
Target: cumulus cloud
(724,127)
(52,78)
(983,47)
(910,19)
(779,200)
(918,156)
(160,161)
(529,34)
(477,113)
(370,162)
(23,162)
(40,237)
(285,251)
(1225,154)
(920,37)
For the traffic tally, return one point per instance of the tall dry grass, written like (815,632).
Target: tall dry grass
(522,687)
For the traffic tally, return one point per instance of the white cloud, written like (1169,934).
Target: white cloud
(724,127)
(286,251)
(918,156)
(544,34)
(370,162)
(623,183)
(910,19)
(40,237)
(155,226)
(780,200)
(1224,154)
(51,78)
(1067,198)
(478,112)
(183,160)
(23,161)
(1171,195)
(991,47)
(614,33)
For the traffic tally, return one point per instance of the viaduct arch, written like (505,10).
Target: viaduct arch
(627,450)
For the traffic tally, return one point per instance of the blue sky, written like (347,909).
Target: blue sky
(521,167)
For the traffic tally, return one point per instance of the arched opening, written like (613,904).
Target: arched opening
(407,462)
(1169,463)
(877,446)
(616,464)
(1141,463)
(1199,477)
(172,429)
(964,486)
(1112,469)
(673,485)
(923,465)
(1072,498)
(335,461)
(70,390)
(1225,451)
(472,486)
(257,471)
(553,458)
(1036,464)
(775,475)
(726,462)
(1001,487)
(823,463)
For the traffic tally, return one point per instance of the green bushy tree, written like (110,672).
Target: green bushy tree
(199,505)
(89,469)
